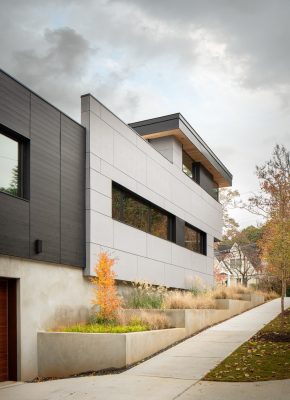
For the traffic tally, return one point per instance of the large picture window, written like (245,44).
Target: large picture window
(141,214)
(194,239)
(10,166)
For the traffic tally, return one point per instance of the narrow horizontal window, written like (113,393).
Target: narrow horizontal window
(194,239)
(139,213)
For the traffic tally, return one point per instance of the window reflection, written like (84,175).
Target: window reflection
(9,165)
(194,239)
(159,224)
(136,213)
(139,213)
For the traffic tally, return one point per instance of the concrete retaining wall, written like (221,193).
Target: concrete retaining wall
(63,354)
(67,353)
(235,306)
(140,345)
(196,320)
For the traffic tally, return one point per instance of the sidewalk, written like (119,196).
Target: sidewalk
(173,374)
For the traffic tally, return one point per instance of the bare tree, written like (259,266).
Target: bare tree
(227,198)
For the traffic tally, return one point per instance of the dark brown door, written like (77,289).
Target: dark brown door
(8,330)
(3,330)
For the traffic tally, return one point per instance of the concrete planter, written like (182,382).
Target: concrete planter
(62,354)
(235,306)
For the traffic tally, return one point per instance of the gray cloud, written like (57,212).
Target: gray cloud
(222,63)
(67,54)
(256,33)
(54,67)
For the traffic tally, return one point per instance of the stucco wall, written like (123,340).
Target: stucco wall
(116,152)
(49,295)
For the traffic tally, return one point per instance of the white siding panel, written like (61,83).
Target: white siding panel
(158,179)
(158,249)
(102,139)
(126,266)
(151,271)
(199,262)
(118,176)
(101,229)
(95,162)
(118,125)
(101,203)
(129,239)
(181,256)
(100,183)
(128,159)
(174,276)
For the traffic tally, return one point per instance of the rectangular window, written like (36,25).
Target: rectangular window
(194,239)
(190,167)
(139,213)
(10,166)
(187,164)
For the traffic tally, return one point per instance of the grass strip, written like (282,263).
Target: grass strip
(105,328)
(266,356)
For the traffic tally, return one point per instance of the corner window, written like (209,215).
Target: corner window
(12,166)
(187,164)
(190,167)
(139,213)
(194,239)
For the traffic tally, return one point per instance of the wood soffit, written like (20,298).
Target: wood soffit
(193,151)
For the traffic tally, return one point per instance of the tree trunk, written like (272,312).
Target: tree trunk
(283,296)
(283,293)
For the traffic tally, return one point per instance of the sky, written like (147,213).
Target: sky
(223,64)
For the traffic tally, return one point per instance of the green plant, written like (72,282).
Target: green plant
(106,328)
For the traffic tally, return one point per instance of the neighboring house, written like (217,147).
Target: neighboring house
(145,192)
(241,261)
(222,274)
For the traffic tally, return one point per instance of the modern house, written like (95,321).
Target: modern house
(146,192)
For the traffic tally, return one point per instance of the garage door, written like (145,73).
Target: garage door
(3,330)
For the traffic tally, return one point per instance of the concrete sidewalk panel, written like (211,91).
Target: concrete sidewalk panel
(175,367)
(271,390)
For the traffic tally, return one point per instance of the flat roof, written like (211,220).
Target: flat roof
(176,125)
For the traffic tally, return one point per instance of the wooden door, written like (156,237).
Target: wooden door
(3,330)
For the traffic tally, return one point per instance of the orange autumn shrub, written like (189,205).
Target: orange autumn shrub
(105,291)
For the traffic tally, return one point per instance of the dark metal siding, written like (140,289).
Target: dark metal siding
(72,192)
(14,105)
(14,226)
(55,212)
(206,180)
(45,180)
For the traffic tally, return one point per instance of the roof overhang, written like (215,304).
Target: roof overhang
(176,125)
